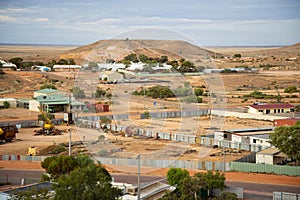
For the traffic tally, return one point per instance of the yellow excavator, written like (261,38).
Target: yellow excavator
(48,127)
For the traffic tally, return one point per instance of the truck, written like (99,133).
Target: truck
(8,133)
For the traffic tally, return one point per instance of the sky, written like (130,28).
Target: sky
(207,23)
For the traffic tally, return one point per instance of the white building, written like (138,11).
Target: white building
(261,139)
(271,108)
(66,67)
(12,102)
(271,156)
(7,65)
(111,76)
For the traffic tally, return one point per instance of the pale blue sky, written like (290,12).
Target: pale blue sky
(213,22)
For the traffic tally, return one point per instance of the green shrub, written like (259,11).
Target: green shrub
(57,150)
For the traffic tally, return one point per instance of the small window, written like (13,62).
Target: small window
(282,110)
(254,140)
(274,110)
(292,109)
(278,110)
(260,111)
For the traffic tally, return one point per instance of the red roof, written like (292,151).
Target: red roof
(272,106)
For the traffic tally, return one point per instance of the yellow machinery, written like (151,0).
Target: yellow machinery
(32,151)
(8,133)
(48,125)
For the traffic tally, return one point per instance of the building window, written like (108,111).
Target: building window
(260,111)
(274,110)
(282,110)
(267,111)
(278,110)
(292,109)
(254,140)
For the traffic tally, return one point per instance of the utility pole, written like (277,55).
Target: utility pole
(224,153)
(69,142)
(139,174)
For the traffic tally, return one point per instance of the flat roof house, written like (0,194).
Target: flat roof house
(271,108)
(271,156)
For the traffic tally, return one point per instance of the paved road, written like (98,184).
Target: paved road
(251,190)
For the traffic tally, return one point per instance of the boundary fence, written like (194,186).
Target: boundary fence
(285,195)
(265,168)
(189,164)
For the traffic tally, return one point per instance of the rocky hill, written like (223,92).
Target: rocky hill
(118,49)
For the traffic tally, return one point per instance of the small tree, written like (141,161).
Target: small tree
(6,104)
(237,55)
(291,89)
(78,93)
(91,182)
(287,140)
(17,61)
(100,92)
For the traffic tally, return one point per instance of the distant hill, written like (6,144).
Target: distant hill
(118,49)
(295,48)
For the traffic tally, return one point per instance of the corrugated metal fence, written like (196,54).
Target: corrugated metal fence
(285,195)
(189,164)
(265,168)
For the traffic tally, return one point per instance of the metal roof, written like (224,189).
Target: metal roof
(240,130)
(272,106)
(269,151)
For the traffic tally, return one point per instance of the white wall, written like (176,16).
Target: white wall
(33,105)
(252,110)
(236,138)
(264,159)
(260,141)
